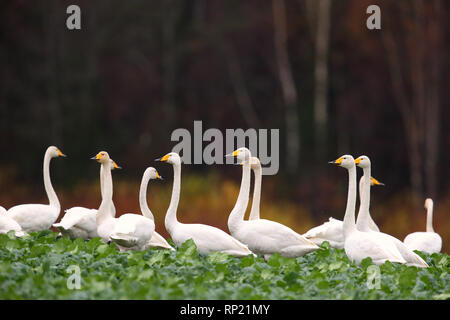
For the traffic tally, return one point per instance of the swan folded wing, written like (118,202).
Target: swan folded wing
(429,242)
(2,211)
(158,241)
(363,245)
(410,257)
(7,224)
(136,226)
(75,216)
(34,217)
(330,230)
(267,237)
(208,238)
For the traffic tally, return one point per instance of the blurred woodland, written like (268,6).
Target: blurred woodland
(137,70)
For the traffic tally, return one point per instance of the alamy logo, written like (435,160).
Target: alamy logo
(257,141)
(74,280)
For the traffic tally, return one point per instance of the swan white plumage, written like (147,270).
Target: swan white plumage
(207,238)
(358,244)
(411,258)
(157,240)
(80,222)
(255,165)
(429,241)
(7,224)
(35,217)
(332,230)
(263,236)
(131,231)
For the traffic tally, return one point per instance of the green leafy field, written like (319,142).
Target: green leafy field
(35,267)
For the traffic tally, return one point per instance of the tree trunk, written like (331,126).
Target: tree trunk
(287,86)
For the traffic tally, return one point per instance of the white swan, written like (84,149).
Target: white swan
(206,238)
(429,241)
(80,222)
(358,244)
(263,236)
(332,230)
(157,240)
(35,217)
(7,224)
(131,231)
(364,220)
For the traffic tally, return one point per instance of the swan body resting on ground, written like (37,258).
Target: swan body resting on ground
(332,230)
(35,217)
(410,257)
(131,231)
(80,222)
(429,241)
(7,224)
(263,236)
(358,244)
(157,240)
(206,238)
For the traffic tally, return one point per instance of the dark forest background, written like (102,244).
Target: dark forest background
(137,70)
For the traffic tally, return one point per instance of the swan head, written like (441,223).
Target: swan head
(54,152)
(363,162)
(152,174)
(346,161)
(242,154)
(428,203)
(172,158)
(103,157)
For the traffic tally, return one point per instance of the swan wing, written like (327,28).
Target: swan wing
(2,211)
(133,229)
(158,241)
(331,231)
(267,237)
(74,216)
(208,239)
(364,244)
(429,242)
(34,217)
(8,224)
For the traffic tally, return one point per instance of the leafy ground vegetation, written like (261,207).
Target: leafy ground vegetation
(38,267)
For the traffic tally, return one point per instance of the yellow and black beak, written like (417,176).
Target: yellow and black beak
(375,182)
(163,159)
(337,161)
(357,161)
(60,154)
(115,166)
(158,176)
(235,153)
(97,157)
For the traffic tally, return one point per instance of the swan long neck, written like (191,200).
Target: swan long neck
(237,214)
(143,197)
(51,194)
(430,218)
(349,218)
(254,212)
(107,194)
(171,216)
(362,223)
(102,187)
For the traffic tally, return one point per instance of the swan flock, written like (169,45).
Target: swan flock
(360,238)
